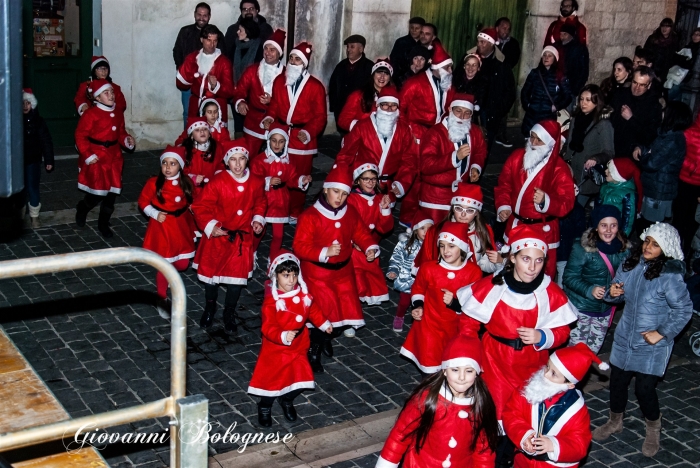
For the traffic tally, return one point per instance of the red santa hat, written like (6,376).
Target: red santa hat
(303,51)
(573,362)
(461,351)
(235,147)
(383,63)
(97,87)
(339,177)
(455,233)
(463,100)
(440,57)
(388,94)
(206,102)
(524,236)
(175,152)
(420,219)
(279,129)
(549,131)
(196,122)
(286,256)
(362,168)
(277,40)
(488,34)
(28,95)
(468,195)
(624,169)
(96,60)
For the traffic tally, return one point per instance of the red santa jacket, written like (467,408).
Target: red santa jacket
(516,190)
(379,221)
(567,424)
(352,111)
(447,443)
(268,166)
(419,103)
(81,97)
(304,111)
(440,170)
(197,165)
(555,28)
(191,76)
(219,132)
(396,158)
(249,90)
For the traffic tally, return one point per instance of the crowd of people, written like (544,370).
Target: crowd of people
(585,217)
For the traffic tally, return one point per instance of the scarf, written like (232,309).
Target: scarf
(520,287)
(610,249)
(582,122)
(244,56)
(324,203)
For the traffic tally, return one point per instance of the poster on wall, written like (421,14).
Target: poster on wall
(49,37)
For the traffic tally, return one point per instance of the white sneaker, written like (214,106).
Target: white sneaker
(292,221)
(349,332)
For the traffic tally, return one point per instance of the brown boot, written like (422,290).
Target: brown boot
(612,426)
(651,441)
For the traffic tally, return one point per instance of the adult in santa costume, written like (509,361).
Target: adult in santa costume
(211,111)
(99,137)
(449,419)
(282,370)
(535,188)
(362,102)
(386,141)
(326,236)
(375,212)
(547,418)
(230,210)
(525,314)
(452,151)
(435,324)
(99,70)
(254,89)
(298,101)
(203,154)
(207,73)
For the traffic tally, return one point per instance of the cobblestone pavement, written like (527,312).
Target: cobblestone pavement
(99,344)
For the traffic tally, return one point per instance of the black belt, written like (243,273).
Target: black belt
(546,219)
(279,186)
(175,213)
(517,344)
(332,266)
(106,144)
(232,234)
(299,126)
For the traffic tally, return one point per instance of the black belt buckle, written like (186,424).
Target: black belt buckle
(518,344)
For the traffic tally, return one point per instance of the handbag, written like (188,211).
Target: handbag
(563,116)
(612,275)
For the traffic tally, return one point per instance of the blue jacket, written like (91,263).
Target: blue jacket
(534,98)
(401,263)
(662,304)
(661,166)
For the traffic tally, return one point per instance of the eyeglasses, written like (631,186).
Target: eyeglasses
(248,10)
(641,85)
(461,209)
(368,180)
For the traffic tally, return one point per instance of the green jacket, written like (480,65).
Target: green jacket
(623,195)
(586,269)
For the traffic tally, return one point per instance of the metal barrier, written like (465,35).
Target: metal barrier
(189,413)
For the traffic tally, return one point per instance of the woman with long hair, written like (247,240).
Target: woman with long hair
(620,77)
(362,102)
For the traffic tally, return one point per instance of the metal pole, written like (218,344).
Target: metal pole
(291,24)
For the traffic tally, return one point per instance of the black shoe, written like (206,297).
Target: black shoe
(265,416)
(327,348)
(164,307)
(290,413)
(230,320)
(208,315)
(81,212)
(103,222)
(315,358)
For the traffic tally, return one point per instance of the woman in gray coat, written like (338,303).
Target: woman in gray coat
(658,306)
(591,141)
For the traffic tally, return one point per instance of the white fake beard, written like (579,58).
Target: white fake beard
(534,155)
(539,388)
(293,73)
(267,76)
(445,79)
(205,62)
(386,122)
(458,129)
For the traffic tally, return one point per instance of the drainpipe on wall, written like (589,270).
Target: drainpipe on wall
(291,24)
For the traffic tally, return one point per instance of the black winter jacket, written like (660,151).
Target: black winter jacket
(400,60)
(661,166)
(500,89)
(477,87)
(37,140)
(576,64)
(642,127)
(188,41)
(535,100)
(229,49)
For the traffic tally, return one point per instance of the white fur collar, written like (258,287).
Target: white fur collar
(328,213)
(291,293)
(447,266)
(242,179)
(106,108)
(446,393)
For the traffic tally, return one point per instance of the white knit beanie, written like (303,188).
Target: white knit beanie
(667,237)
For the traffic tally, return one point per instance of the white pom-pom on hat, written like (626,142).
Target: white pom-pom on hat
(603,366)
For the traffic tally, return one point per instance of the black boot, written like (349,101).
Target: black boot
(208,315)
(327,346)
(315,358)
(264,415)
(103,221)
(290,413)
(81,212)
(230,320)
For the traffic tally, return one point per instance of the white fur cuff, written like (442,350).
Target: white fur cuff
(91,159)
(151,212)
(210,227)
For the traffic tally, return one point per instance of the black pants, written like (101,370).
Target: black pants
(92,200)
(644,388)
(684,213)
(318,336)
(233,292)
(266,401)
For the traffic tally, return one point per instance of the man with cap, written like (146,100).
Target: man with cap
(547,418)
(99,70)
(349,75)
(568,9)
(362,102)
(399,55)
(299,102)
(419,59)
(574,56)
(452,151)
(207,73)
(254,90)
(536,188)
(500,94)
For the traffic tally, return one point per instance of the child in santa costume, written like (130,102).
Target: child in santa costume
(401,263)
(230,211)
(282,370)
(203,154)
(449,419)
(99,70)
(375,212)
(166,199)
(210,110)
(325,238)
(547,418)
(465,208)
(99,137)
(273,166)
(437,282)
(525,314)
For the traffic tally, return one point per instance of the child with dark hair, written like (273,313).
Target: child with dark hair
(658,306)
(99,70)
(282,370)
(203,154)
(210,109)
(449,419)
